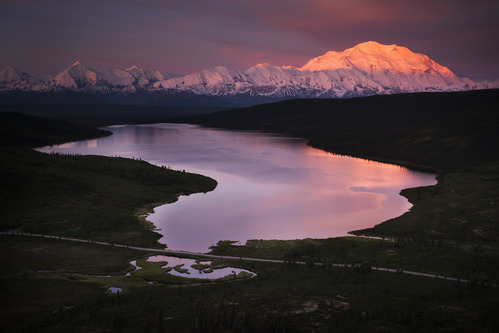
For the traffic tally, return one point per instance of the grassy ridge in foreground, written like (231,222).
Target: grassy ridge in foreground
(283,298)
(291,298)
(95,197)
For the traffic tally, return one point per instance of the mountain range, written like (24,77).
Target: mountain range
(368,68)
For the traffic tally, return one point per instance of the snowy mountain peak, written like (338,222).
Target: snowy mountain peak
(76,76)
(368,68)
(149,76)
(79,77)
(265,64)
(219,79)
(12,74)
(14,79)
(373,47)
(373,57)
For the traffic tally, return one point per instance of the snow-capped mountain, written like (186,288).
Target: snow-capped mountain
(14,79)
(12,74)
(76,77)
(366,69)
(388,67)
(79,77)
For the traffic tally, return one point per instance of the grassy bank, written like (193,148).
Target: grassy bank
(451,230)
(97,197)
(453,134)
(283,297)
(439,131)
(91,197)
(94,196)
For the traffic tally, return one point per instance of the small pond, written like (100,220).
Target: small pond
(191,268)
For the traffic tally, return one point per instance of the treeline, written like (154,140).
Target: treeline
(19,130)
(125,168)
(91,197)
(291,298)
(477,264)
(443,131)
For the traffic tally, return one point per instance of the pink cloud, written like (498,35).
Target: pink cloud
(187,36)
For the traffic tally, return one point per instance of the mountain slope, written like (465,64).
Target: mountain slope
(20,130)
(77,77)
(444,131)
(366,69)
(390,66)
(13,79)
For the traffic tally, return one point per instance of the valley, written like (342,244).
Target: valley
(451,230)
(249,166)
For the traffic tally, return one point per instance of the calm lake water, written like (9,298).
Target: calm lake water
(191,272)
(269,186)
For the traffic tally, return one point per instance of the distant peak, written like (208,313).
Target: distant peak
(371,43)
(78,63)
(133,68)
(10,69)
(370,56)
(12,74)
(373,47)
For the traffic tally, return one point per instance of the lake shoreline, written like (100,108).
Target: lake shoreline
(459,212)
(269,184)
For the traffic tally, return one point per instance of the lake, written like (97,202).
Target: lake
(269,186)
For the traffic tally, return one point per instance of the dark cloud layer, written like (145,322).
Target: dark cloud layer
(43,37)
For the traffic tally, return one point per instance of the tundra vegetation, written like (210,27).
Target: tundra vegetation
(452,229)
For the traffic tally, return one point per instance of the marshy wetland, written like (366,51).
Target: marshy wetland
(450,230)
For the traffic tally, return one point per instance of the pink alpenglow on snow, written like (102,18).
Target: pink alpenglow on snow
(368,68)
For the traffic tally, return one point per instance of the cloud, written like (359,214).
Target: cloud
(190,35)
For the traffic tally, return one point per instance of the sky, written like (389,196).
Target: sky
(43,37)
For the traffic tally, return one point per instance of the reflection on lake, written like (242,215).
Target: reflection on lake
(115,290)
(269,186)
(204,271)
